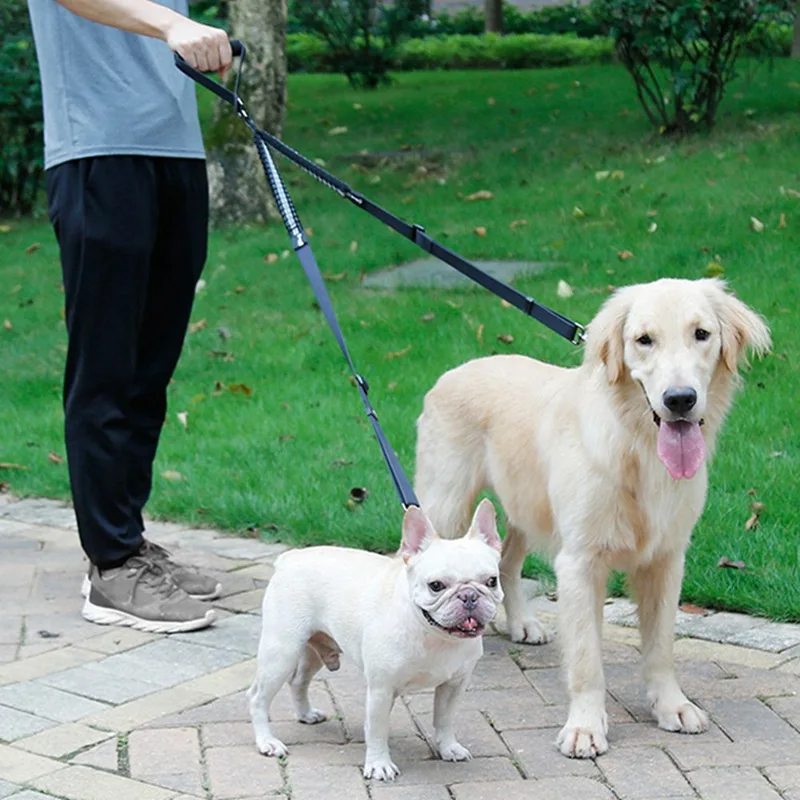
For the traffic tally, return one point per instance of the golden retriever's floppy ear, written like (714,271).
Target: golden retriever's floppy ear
(741,329)
(604,342)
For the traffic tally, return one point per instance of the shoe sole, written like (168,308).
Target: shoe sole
(86,587)
(113,616)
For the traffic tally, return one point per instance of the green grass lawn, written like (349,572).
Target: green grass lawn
(282,460)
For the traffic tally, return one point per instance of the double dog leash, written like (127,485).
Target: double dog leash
(558,323)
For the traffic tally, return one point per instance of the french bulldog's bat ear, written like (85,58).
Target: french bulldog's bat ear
(484,525)
(417,532)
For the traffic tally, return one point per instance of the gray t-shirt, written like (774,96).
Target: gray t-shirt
(110,92)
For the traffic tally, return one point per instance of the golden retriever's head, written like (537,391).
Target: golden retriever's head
(670,337)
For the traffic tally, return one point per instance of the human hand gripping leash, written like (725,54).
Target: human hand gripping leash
(558,323)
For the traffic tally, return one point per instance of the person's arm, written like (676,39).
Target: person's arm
(203,46)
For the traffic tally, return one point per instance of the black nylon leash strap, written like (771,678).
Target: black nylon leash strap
(309,263)
(558,323)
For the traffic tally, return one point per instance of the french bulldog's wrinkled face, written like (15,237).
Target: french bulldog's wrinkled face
(454,583)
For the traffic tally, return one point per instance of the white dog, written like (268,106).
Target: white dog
(604,463)
(411,622)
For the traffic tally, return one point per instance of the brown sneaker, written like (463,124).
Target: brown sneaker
(143,594)
(194,583)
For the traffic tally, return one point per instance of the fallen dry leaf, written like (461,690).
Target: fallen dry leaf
(602,175)
(480,231)
(240,388)
(357,106)
(756,225)
(32,248)
(353,246)
(782,221)
(240,289)
(564,290)
(490,101)
(651,213)
(172,475)
(398,353)
(506,304)
(334,277)
(505,338)
(578,212)
(790,192)
(617,175)
(54,458)
(198,326)
(652,227)
(5,229)
(8,465)
(714,269)
(338,131)
(183,418)
(726,562)
(199,286)
(285,438)
(7,324)
(691,608)
(428,317)
(271,258)
(756,508)
(518,223)
(483,194)
(479,333)
(624,255)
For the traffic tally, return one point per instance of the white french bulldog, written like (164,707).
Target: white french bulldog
(410,622)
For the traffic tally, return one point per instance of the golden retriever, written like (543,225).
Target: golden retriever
(605,464)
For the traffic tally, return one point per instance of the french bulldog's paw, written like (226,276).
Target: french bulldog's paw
(312,717)
(381,769)
(685,718)
(454,752)
(529,631)
(582,742)
(272,747)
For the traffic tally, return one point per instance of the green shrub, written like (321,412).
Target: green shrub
(308,53)
(682,54)
(21,144)
(362,35)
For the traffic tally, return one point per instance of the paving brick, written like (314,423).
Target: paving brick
(697,649)
(118,640)
(649,734)
(103,756)
(549,684)
(11,629)
(786,780)
(224,709)
(62,740)
(227,734)
(226,680)
(732,783)
(241,772)
(244,602)
(85,783)
(545,789)
(472,730)
(258,572)
(536,752)
(750,720)
(168,758)
(8,652)
(624,768)
(693,753)
(7,788)
(786,707)
(17,766)
(97,683)
(352,708)
(497,671)
(408,792)
(44,701)
(326,783)
(436,771)
(27,794)
(45,664)
(15,724)
(773,636)
(146,709)
(239,633)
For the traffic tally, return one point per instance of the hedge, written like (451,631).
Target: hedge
(309,53)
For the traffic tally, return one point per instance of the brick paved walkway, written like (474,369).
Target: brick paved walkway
(93,713)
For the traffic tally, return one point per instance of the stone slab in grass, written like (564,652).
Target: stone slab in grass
(432,273)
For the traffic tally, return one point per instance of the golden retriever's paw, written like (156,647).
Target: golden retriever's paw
(529,631)
(582,742)
(686,718)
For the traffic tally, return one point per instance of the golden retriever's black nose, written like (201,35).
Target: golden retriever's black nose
(680,399)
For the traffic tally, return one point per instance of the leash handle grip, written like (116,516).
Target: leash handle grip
(237,49)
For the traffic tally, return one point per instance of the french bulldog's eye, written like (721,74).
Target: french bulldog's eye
(701,334)
(436,586)
(644,340)
(492,582)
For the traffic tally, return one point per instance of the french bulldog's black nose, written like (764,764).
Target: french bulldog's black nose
(469,597)
(680,399)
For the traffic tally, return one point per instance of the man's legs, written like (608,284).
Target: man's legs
(106,214)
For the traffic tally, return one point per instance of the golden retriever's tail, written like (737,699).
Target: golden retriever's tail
(449,472)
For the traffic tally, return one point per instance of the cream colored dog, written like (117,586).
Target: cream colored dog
(604,463)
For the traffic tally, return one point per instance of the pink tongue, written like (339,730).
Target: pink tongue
(469,624)
(681,447)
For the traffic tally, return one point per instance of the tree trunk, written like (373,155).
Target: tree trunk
(796,38)
(237,185)
(493,15)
